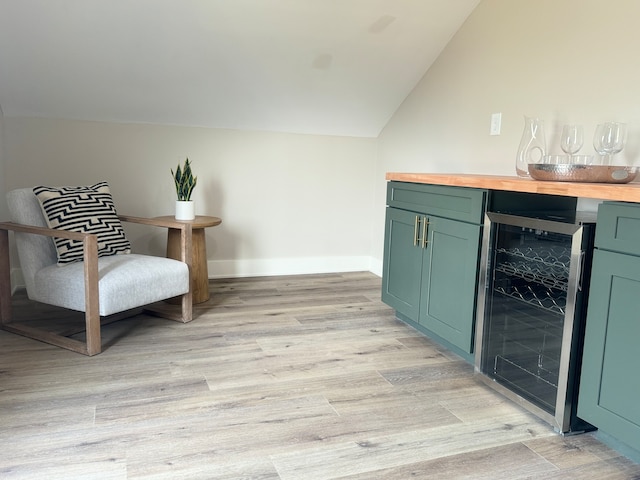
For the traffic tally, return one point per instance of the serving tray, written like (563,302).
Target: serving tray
(582,173)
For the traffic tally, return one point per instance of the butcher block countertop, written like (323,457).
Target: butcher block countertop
(627,192)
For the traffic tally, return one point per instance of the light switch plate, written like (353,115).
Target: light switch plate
(496,123)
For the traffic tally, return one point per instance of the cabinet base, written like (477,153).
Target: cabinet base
(612,442)
(468,357)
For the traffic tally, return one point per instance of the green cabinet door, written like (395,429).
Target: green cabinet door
(433,284)
(610,380)
(402,265)
(449,281)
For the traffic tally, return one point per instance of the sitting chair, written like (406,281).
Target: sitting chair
(96,282)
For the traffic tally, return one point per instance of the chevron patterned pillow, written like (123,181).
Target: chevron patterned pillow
(88,209)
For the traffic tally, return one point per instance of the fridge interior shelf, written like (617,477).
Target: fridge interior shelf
(546,299)
(548,266)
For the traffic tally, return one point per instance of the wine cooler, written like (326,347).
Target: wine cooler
(531,311)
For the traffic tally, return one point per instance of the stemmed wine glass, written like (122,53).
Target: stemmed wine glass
(609,139)
(571,140)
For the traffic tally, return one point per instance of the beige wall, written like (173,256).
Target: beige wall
(304,203)
(561,60)
(289,203)
(3,205)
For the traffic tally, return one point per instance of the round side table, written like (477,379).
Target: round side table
(199,272)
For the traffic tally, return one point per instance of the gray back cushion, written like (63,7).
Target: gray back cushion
(34,251)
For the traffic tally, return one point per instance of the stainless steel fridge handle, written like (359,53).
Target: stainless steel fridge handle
(581,269)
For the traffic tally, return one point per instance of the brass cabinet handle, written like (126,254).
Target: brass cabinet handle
(416,228)
(424,232)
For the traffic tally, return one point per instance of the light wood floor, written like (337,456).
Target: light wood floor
(293,378)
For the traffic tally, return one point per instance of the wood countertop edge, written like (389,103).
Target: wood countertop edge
(626,192)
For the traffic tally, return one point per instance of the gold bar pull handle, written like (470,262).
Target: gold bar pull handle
(416,229)
(425,224)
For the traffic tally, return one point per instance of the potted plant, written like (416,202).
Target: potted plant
(185,183)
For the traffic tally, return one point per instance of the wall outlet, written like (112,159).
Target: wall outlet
(496,123)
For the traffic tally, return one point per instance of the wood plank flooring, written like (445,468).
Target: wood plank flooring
(290,378)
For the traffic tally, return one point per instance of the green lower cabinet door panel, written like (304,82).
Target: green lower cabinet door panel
(402,266)
(449,281)
(610,381)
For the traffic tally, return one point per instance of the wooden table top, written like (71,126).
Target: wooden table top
(627,192)
(201,221)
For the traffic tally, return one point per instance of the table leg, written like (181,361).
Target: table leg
(199,271)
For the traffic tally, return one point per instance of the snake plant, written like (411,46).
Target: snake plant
(184,180)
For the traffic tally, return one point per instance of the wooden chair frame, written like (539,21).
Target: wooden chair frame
(93,343)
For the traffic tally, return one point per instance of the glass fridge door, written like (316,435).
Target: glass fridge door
(525,311)
(529,331)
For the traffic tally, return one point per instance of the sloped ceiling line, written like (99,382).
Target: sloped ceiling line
(332,67)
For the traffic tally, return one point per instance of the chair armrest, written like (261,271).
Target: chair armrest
(186,255)
(186,251)
(5,278)
(156,222)
(49,232)
(90,257)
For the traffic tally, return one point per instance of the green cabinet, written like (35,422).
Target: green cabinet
(430,265)
(610,383)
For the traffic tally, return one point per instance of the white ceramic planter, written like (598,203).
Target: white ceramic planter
(185,210)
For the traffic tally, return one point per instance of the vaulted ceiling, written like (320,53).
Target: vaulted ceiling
(336,67)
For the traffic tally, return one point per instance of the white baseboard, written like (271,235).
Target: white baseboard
(376,267)
(272,267)
(291,266)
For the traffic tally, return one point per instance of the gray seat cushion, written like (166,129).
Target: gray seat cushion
(126,281)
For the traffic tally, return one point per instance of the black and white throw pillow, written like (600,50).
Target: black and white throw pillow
(88,209)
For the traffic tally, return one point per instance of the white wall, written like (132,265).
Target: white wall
(289,203)
(561,60)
